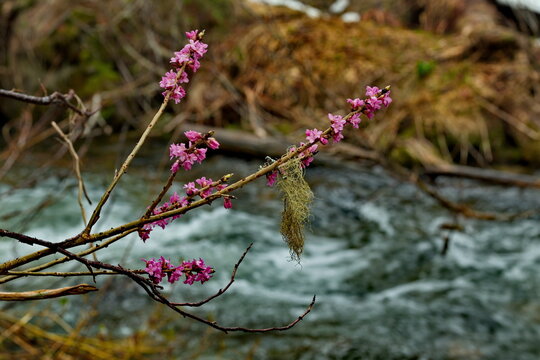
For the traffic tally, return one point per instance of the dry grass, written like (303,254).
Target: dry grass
(273,70)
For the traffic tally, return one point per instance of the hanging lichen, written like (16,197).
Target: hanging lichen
(297,198)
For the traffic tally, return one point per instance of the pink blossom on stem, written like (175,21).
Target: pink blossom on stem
(177,150)
(176,274)
(190,188)
(314,135)
(193,136)
(192,35)
(355,120)
(337,123)
(372,91)
(168,81)
(212,143)
(387,99)
(180,57)
(203,182)
(188,56)
(227,203)
(156,268)
(174,198)
(271,178)
(200,154)
(175,166)
(196,270)
(144,233)
(178,94)
(355,103)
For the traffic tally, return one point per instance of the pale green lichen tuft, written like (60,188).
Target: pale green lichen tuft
(297,198)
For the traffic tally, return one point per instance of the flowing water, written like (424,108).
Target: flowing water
(372,257)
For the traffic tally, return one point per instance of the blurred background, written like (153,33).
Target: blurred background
(466,90)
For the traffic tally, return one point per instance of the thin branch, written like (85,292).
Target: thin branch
(68,274)
(64,259)
(77,168)
(54,98)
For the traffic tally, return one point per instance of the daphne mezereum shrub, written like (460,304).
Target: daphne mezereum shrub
(287,172)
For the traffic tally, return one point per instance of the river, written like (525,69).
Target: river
(372,257)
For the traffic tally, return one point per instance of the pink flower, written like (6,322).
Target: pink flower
(175,166)
(189,160)
(189,55)
(192,35)
(200,154)
(180,58)
(156,268)
(337,123)
(204,182)
(271,178)
(194,64)
(227,203)
(387,99)
(196,270)
(190,188)
(183,78)
(176,274)
(372,91)
(178,151)
(144,233)
(178,94)
(174,198)
(193,136)
(168,82)
(337,137)
(212,143)
(355,120)
(198,48)
(355,103)
(313,135)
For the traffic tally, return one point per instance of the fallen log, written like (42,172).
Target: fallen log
(248,144)
(485,175)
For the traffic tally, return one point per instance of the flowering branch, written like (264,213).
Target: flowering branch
(200,192)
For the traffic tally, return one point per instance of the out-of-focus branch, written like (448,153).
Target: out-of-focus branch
(77,168)
(54,98)
(466,210)
(47,293)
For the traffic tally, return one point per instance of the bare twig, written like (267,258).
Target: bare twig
(54,98)
(68,274)
(77,168)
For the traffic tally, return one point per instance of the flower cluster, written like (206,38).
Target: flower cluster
(375,99)
(206,188)
(175,202)
(188,155)
(194,270)
(189,57)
